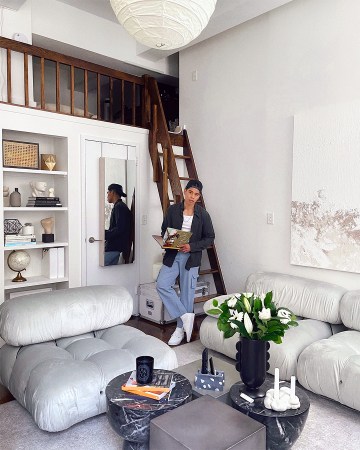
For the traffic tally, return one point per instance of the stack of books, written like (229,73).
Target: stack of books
(13,240)
(160,387)
(42,202)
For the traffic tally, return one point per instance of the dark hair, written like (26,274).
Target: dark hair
(117,188)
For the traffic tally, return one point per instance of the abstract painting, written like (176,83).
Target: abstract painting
(325,208)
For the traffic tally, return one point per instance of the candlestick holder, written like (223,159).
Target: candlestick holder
(286,400)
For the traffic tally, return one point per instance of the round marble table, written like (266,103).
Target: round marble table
(130,415)
(282,428)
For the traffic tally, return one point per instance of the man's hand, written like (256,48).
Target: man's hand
(185,248)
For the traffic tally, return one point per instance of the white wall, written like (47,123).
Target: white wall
(252,79)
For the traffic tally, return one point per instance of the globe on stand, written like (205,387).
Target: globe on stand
(18,260)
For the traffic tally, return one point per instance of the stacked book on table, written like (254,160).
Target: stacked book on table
(160,387)
(44,202)
(14,240)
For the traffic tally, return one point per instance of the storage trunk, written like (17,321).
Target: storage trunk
(151,307)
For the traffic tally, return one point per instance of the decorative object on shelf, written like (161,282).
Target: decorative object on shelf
(47,224)
(38,188)
(48,161)
(12,226)
(6,196)
(23,155)
(283,398)
(18,260)
(15,198)
(52,192)
(28,229)
(257,320)
(44,202)
(163,24)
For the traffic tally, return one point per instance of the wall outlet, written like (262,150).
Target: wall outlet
(270,218)
(194,75)
(144,219)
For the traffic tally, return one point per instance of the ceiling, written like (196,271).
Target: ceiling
(228,14)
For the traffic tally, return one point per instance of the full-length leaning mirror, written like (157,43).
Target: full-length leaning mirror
(117,211)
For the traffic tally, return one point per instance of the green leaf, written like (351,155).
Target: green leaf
(229,333)
(257,305)
(292,323)
(215,302)
(214,311)
(242,329)
(268,299)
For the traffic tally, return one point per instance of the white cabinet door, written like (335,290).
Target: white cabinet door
(126,275)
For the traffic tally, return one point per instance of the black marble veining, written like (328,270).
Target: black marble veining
(282,427)
(130,415)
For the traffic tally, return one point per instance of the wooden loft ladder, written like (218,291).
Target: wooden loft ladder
(166,172)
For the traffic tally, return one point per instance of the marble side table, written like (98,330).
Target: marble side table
(282,428)
(130,415)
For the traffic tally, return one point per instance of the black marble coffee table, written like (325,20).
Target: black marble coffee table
(282,428)
(130,415)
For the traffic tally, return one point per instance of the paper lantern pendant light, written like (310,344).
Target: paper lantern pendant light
(163,24)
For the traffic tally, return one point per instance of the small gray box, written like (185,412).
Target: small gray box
(210,382)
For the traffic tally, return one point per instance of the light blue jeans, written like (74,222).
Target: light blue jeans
(177,306)
(111,258)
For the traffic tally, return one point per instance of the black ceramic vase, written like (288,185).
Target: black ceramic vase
(252,362)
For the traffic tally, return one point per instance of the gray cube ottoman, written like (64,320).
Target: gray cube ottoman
(206,423)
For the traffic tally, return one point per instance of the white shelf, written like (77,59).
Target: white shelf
(34,171)
(32,246)
(32,208)
(32,281)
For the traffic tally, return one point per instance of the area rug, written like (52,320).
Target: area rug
(330,426)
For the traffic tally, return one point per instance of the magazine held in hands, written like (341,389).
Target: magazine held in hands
(161,386)
(173,238)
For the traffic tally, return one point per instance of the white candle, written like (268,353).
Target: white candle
(292,386)
(276,384)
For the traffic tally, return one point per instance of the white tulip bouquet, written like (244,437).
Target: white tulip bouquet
(253,317)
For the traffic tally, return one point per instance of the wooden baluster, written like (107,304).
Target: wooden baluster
(133,104)
(57,87)
(98,97)
(72,89)
(111,88)
(8,58)
(146,104)
(26,78)
(42,83)
(122,102)
(86,88)
(165,177)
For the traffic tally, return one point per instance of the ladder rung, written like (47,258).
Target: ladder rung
(185,178)
(177,156)
(204,298)
(208,271)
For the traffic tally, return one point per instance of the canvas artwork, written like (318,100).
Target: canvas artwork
(325,208)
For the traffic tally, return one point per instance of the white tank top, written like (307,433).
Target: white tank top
(186,226)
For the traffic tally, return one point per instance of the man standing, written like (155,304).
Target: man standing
(117,237)
(187,216)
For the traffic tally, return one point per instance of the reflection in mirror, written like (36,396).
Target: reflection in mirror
(117,211)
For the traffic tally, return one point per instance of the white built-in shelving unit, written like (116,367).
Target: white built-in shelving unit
(21,178)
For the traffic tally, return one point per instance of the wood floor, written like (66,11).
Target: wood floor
(162,332)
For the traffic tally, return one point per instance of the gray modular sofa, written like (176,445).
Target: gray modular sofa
(63,347)
(323,351)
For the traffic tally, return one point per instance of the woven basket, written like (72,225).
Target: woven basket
(21,154)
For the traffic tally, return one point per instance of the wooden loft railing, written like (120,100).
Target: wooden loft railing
(115,96)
